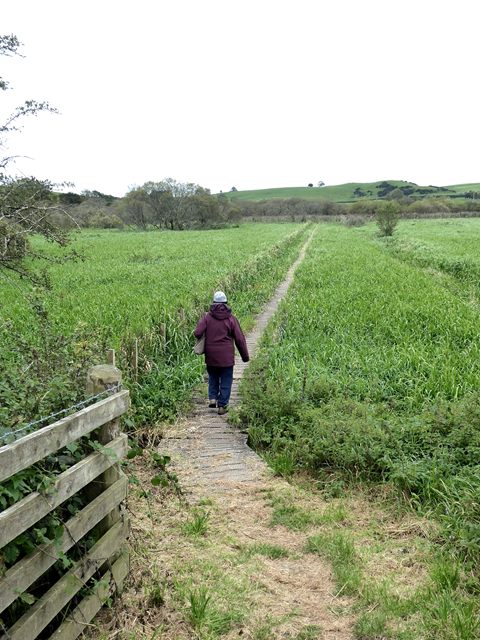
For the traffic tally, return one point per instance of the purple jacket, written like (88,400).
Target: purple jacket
(221,329)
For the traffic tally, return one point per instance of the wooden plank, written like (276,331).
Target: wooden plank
(31,448)
(19,577)
(52,602)
(80,617)
(26,512)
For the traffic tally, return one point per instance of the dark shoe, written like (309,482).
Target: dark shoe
(222,411)
(212,404)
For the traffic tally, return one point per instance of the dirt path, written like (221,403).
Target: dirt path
(205,450)
(212,459)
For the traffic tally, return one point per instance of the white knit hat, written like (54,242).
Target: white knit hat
(219,296)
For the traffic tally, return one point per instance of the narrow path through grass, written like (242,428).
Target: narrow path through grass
(253,556)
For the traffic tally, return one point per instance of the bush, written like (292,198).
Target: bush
(386,218)
(13,242)
(431,205)
(103,220)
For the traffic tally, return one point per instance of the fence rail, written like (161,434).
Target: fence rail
(99,477)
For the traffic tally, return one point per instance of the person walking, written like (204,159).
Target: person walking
(222,330)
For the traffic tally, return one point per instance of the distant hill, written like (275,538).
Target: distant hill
(353,191)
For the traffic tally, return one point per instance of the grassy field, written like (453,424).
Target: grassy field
(152,286)
(366,384)
(448,248)
(124,280)
(371,371)
(455,239)
(336,193)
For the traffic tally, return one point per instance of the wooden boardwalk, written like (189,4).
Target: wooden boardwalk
(206,451)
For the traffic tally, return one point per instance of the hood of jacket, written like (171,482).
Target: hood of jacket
(220,311)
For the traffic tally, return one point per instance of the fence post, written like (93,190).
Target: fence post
(100,378)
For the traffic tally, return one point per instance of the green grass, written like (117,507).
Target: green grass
(151,287)
(197,525)
(372,367)
(447,246)
(272,551)
(212,602)
(448,249)
(460,188)
(288,514)
(441,609)
(449,238)
(127,279)
(336,193)
(339,550)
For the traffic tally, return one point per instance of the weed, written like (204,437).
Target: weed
(266,629)
(288,515)
(451,616)
(445,574)
(205,502)
(310,632)
(198,525)
(371,625)
(339,550)
(199,600)
(293,517)
(264,632)
(282,464)
(155,593)
(272,551)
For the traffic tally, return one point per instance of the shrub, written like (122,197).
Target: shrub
(13,242)
(386,218)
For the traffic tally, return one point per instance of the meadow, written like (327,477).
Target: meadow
(367,380)
(149,286)
(370,374)
(337,193)
(444,247)
(449,238)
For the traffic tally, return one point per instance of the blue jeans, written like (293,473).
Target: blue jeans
(220,384)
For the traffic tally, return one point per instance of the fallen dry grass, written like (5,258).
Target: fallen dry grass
(251,595)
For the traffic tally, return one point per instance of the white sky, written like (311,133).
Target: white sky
(252,94)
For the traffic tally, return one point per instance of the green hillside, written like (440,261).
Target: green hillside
(352,191)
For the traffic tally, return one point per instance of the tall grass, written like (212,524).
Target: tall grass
(447,246)
(150,287)
(373,367)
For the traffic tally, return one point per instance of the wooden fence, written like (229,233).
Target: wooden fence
(99,477)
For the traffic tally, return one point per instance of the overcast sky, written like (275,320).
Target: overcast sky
(251,94)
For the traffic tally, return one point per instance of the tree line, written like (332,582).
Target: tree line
(167,204)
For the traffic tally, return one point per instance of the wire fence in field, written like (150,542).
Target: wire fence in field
(11,436)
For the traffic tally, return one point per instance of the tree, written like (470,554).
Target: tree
(70,198)
(134,209)
(310,184)
(27,205)
(320,183)
(395,194)
(387,216)
(106,198)
(168,202)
